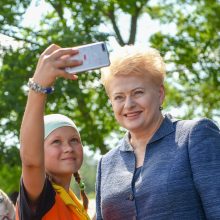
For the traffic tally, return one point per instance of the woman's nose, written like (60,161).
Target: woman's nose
(129,102)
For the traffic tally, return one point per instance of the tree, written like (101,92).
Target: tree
(191,54)
(194,53)
(88,175)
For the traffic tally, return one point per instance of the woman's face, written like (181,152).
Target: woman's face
(63,152)
(135,102)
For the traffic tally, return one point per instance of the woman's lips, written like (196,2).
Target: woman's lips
(132,114)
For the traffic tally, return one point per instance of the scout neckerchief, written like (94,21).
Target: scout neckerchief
(72,202)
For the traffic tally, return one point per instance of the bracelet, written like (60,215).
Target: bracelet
(38,88)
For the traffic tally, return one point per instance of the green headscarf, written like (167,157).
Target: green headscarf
(54,121)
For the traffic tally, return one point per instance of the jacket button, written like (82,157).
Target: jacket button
(130,197)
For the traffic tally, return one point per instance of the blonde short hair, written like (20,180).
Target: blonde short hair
(135,60)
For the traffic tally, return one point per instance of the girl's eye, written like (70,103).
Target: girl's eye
(74,140)
(56,141)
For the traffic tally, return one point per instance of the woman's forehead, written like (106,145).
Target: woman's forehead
(128,83)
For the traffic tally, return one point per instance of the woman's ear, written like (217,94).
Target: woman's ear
(109,101)
(161,94)
(109,98)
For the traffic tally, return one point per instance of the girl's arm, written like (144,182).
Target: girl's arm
(50,66)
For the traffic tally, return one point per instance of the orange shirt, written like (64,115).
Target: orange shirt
(50,206)
(59,211)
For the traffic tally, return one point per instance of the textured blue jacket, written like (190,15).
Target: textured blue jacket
(180,177)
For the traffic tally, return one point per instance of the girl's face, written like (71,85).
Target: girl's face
(135,102)
(63,152)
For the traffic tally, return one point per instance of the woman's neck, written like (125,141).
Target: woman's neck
(140,139)
(139,142)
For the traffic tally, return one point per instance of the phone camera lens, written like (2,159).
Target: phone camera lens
(103,47)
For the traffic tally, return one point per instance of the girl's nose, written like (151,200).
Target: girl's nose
(68,147)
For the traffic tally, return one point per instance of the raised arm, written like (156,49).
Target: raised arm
(50,66)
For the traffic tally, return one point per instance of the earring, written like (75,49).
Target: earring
(160,108)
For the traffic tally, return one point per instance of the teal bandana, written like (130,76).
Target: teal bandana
(54,121)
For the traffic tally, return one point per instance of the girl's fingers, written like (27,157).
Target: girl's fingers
(72,76)
(62,63)
(53,62)
(57,54)
(66,75)
(52,48)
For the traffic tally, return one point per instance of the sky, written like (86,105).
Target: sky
(144,32)
(35,11)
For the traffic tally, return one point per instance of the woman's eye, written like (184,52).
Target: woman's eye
(118,98)
(138,92)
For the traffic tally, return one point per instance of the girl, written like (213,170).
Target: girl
(51,149)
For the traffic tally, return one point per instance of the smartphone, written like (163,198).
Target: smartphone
(93,55)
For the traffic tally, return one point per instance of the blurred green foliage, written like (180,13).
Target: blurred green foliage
(191,52)
(88,176)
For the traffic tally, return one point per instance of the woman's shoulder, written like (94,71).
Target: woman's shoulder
(198,124)
(185,129)
(194,123)
(197,130)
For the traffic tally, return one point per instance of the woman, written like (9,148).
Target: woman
(163,168)
(51,149)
